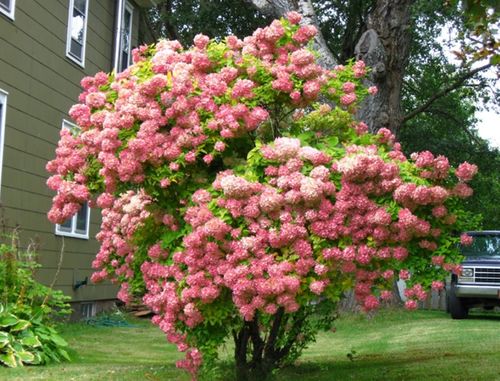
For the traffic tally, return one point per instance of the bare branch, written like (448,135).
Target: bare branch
(444,91)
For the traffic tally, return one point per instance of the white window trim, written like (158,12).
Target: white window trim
(120,15)
(9,13)
(3,118)
(68,34)
(73,233)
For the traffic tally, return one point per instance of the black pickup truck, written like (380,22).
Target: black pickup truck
(479,283)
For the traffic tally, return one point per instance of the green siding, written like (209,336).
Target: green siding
(43,84)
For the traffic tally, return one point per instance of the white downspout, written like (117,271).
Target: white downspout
(118,33)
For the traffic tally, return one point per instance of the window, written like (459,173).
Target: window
(87,310)
(78,225)
(3,112)
(77,30)
(7,7)
(123,38)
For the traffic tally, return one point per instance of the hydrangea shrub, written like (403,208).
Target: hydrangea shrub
(239,203)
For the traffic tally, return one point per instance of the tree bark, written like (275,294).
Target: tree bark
(240,352)
(385,48)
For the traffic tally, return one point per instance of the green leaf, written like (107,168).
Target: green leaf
(20,326)
(4,339)
(170,237)
(25,356)
(37,359)
(58,340)
(43,336)
(64,354)
(8,320)
(9,359)
(31,341)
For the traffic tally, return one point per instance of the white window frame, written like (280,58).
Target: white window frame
(73,232)
(9,12)
(3,118)
(122,7)
(71,56)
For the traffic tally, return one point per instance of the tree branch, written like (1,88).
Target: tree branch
(460,125)
(270,349)
(257,342)
(296,327)
(444,91)
(240,347)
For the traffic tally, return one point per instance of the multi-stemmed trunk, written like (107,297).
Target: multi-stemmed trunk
(258,353)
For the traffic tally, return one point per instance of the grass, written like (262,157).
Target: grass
(392,345)
(402,345)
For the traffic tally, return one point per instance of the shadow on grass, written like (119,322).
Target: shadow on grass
(493,316)
(373,368)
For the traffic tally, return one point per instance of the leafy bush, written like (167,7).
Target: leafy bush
(28,310)
(239,206)
(28,341)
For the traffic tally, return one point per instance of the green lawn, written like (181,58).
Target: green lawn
(392,345)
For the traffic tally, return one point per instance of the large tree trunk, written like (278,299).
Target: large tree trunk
(384,47)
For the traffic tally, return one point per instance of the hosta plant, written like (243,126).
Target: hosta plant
(28,342)
(28,310)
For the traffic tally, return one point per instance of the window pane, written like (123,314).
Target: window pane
(80,5)
(126,31)
(81,220)
(77,24)
(127,17)
(125,41)
(66,226)
(124,61)
(76,49)
(5,4)
(483,246)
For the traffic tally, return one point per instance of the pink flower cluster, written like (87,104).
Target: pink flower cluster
(121,218)
(465,171)
(432,167)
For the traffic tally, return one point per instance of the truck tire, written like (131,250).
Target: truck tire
(458,309)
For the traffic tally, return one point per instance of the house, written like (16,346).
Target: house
(46,48)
